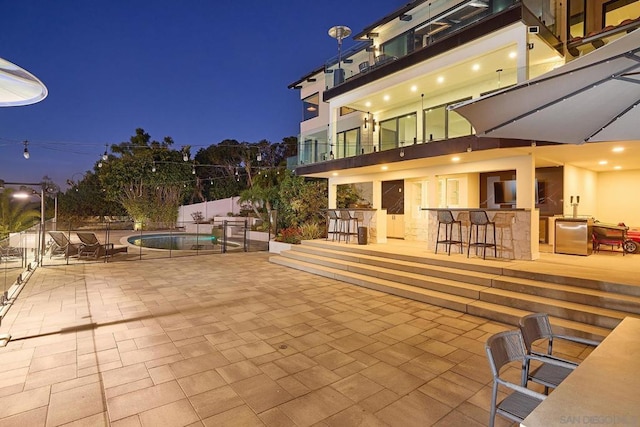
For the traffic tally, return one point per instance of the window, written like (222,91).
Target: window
(398,131)
(576,18)
(310,106)
(617,11)
(399,46)
(440,123)
(346,110)
(348,142)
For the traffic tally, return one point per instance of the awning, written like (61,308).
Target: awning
(18,86)
(592,98)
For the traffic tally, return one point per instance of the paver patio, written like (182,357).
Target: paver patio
(233,340)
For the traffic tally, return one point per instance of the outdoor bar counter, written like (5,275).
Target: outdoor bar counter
(367,217)
(604,390)
(513,230)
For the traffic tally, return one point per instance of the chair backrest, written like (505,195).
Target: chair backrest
(60,238)
(463,217)
(445,217)
(478,217)
(332,214)
(534,327)
(88,238)
(364,66)
(345,215)
(503,348)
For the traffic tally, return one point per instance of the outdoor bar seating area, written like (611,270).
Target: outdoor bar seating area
(600,390)
(345,223)
(518,347)
(502,233)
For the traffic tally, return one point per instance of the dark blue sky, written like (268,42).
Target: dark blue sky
(198,71)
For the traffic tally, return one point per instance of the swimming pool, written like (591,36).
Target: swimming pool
(180,241)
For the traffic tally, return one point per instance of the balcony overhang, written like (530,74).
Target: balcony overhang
(425,154)
(514,14)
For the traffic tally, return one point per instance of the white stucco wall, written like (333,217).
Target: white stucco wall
(617,197)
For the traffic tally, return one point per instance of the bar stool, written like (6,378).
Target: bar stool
(504,224)
(332,215)
(346,219)
(446,218)
(479,219)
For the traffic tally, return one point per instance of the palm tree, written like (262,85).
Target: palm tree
(15,215)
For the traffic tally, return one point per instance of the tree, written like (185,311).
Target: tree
(301,200)
(15,215)
(148,178)
(86,198)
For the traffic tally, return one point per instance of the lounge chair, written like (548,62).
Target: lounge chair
(62,245)
(91,246)
(8,251)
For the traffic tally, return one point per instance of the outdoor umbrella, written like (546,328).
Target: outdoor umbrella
(18,86)
(592,98)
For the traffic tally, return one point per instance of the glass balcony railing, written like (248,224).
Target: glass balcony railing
(450,18)
(441,124)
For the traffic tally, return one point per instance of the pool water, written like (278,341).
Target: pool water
(178,241)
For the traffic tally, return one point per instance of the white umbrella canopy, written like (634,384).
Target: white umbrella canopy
(18,86)
(593,98)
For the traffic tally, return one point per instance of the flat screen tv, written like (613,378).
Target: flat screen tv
(505,192)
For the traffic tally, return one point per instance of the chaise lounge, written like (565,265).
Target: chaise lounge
(62,245)
(92,248)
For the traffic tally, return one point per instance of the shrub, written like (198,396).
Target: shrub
(289,235)
(311,230)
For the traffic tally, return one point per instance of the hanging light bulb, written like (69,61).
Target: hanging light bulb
(100,164)
(105,156)
(153,168)
(185,157)
(193,170)
(259,158)
(25,153)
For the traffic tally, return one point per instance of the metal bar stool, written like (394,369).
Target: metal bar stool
(446,218)
(479,219)
(333,225)
(346,219)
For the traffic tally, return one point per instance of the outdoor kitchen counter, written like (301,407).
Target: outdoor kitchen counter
(513,229)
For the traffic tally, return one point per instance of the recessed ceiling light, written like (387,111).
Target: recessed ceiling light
(386,97)
(602,162)
(618,149)
(384,168)
(335,174)
(414,88)
(617,167)
(455,159)
(512,54)
(367,104)
(440,79)
(475,67)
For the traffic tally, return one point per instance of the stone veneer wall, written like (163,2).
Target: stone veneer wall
(513,233)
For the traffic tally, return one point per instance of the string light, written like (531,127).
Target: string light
(25,153)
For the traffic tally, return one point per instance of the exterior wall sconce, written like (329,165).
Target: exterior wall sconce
(366,122)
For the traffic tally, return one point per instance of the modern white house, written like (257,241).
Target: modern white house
(381,115)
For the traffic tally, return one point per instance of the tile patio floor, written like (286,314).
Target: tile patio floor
(233,340)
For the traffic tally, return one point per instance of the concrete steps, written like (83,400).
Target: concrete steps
(488,289)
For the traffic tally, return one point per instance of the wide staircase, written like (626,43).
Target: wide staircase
(577,306)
